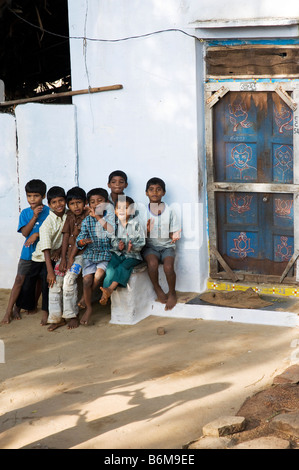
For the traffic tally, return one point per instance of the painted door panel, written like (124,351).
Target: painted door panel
(253,144)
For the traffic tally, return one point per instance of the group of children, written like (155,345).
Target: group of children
(101,235)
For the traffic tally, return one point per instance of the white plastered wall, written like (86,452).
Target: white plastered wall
(38,143)
(151,127)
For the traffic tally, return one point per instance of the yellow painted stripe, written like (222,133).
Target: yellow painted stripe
(266,289)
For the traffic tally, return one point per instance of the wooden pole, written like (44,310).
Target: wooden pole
(51,96)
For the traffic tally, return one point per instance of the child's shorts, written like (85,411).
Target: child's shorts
(24,266)
(89,267)
(160,253)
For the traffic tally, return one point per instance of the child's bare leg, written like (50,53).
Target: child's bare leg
(87,293)
(171,280)
(11,311)
(90,283)
(44,319)
(16,313)
(153,272)
(107,292)
(81,303)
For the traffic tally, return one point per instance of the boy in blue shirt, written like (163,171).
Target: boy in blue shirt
(30,221)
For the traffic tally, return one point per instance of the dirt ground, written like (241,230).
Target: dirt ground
(109,386)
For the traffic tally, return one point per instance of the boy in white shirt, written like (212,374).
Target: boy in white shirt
(163,231)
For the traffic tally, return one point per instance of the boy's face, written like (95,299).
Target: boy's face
(155,193)
(122,210)
(117,185)
(34,199)
(57,205)
(95,200)
(76,206)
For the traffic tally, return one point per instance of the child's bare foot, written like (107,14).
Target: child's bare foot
(6,319)
(73,323)
(161,296)
(106,294)
(86,316)
(54,326)
(44,319)
(16,313)
(171,301)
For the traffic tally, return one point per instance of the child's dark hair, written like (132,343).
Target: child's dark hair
(120,173)
(36,186)
(97,192)
(156,180)
(55,191)
(126,199)
(76,193)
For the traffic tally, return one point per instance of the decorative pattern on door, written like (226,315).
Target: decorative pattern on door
(253,143)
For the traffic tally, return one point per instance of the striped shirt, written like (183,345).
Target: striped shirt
(99,249)
(50,236)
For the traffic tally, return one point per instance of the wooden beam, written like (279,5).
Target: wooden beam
(255,187)
(223,263)
(289,265)
(63,94)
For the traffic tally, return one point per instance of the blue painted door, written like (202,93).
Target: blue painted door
(253,143)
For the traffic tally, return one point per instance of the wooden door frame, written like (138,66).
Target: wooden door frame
(214,91)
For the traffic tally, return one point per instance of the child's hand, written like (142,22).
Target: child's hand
(62,266)
(37,210)
(92,212)
(51,279)
(150,225)
(121,245)
(32,239)
(55,256)
(130,246)
(85,241)
(175,236)
(100,209)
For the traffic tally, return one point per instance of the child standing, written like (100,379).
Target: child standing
(30,221)
(126,245)
(163,231)
(47,251)
(70,265)
(117,183)
(94,237)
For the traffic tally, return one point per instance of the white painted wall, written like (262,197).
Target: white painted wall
(205,10)
(47,145)
(47,150)
(9,203)
(150,127)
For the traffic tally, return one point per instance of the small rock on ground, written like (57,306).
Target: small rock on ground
(268,442)
(287,423)
(290,375)
(209,442)
(224,425)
